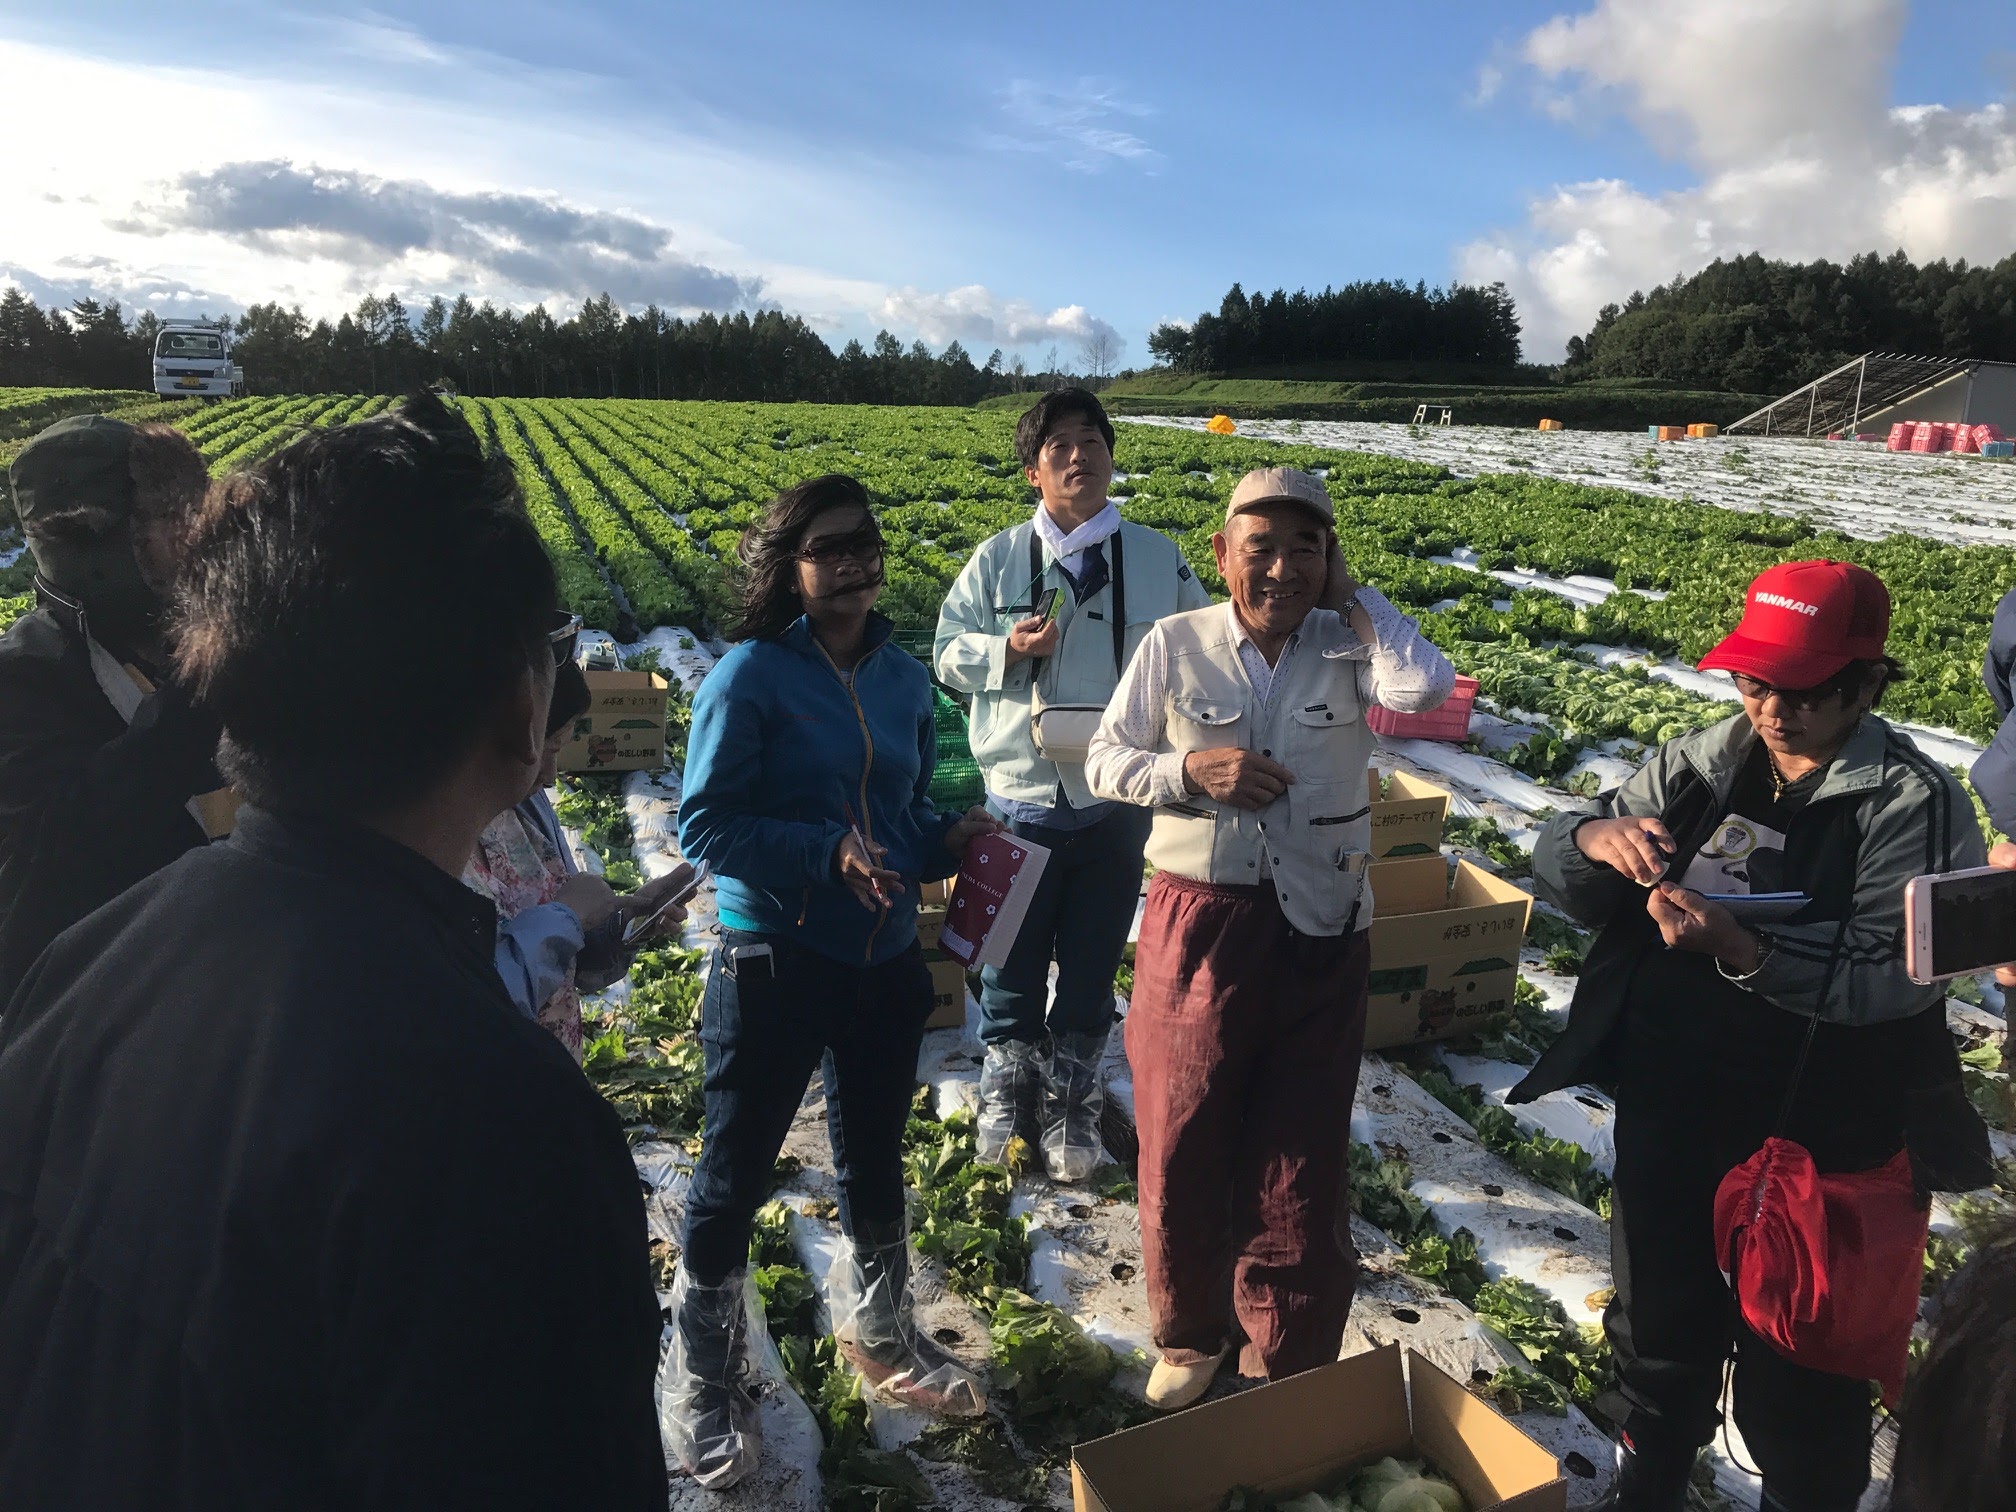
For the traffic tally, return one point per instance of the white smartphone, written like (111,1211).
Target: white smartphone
(746,957)
(1958,923)
(638,928)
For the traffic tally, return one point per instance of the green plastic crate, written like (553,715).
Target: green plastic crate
(956,784)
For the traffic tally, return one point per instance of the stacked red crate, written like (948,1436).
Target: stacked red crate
(1450,722)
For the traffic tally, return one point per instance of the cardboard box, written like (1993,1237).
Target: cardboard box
(1445,950)
(1409,820)
(948,995)
(1309,1430)
(624,728)
(948,977)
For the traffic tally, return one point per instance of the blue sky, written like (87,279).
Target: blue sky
(1005,176)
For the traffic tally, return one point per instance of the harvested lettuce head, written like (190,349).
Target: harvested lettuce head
(1395,1485)
(1311,1501)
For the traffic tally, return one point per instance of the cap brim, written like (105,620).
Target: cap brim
(1304,505)
(1780,666)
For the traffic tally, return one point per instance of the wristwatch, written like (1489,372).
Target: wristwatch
(1765,945)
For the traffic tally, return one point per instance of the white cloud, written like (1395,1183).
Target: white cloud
(1782,112)
(533,247)
(976,316)
(1076,125)
(381,39)
(317,190)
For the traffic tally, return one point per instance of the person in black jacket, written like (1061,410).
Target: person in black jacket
(1721,1025)
(102,756)
(1994,773)
(297,1209)
(1957,1451)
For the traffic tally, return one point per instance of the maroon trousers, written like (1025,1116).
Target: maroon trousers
(1244,1038)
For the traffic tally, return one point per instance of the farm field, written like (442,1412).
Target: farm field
(1858,488)
(1621,406)
(1554,569)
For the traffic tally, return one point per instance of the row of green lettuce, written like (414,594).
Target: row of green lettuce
(666,489)
(642,503)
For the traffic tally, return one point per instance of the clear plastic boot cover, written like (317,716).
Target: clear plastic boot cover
(1011,1076)
(705,1408)
(1072,1105)
(874,1321)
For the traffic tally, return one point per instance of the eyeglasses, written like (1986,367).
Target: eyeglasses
(564,637)
(863,545)
(1798,698)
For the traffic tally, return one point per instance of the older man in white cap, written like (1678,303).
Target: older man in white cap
(1242,725)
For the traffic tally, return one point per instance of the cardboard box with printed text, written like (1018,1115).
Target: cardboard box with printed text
(1409,820)
(1308,1431)
(624,728)
(1445,949)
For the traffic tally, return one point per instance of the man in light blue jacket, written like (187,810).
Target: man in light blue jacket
(1038,628)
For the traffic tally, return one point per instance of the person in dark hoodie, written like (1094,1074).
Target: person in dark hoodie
(102,755)
(297,1208)
(1994,773)
(1719,1033)
(806,779)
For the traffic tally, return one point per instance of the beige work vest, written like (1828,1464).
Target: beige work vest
(1316,837)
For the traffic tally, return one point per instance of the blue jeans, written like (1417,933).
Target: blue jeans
(763,1034)
(1078,918)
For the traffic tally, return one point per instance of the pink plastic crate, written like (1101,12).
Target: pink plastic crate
(1900,436)
(1450,722)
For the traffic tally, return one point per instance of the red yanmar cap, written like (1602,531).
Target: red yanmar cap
(1803,622)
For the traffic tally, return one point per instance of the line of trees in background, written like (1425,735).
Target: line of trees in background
(1746,325)
(1381,320)
(602,351)
(1757,326)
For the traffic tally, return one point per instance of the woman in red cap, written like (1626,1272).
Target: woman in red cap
(1701,1020)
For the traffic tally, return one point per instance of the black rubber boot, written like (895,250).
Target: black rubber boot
(1775,1500)
(1648,1483)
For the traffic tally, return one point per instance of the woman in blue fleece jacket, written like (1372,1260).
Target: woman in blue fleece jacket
(805,789)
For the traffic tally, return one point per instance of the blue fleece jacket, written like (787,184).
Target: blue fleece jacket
(1994,771)
(781,751)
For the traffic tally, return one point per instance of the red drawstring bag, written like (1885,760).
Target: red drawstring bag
(1826,1269)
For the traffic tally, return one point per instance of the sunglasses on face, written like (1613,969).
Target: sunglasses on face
(1798,698)
(863,545)
(565,636)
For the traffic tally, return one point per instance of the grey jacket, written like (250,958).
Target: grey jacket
(1883,814)
(1842,958)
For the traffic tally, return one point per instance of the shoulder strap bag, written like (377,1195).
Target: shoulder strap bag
(1826,1269)
(1062,731)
